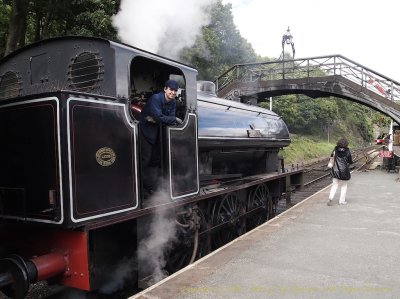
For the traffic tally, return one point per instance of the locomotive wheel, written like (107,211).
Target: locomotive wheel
(228,211)
(259,198)
(181,253)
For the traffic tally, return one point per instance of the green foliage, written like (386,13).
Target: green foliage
(288,108)
(51,18)
(303,148)
(5,11)
(380,120)
(220,45)
(303,114)
(325,117)
(93,18)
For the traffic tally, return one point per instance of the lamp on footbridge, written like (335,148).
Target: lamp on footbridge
(287,39)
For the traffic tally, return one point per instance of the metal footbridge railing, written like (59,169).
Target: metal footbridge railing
(317,77)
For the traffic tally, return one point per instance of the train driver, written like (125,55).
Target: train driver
(159,109)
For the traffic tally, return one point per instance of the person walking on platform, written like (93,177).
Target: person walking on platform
(340,171)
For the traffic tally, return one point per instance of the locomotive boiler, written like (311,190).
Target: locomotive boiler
(71,202)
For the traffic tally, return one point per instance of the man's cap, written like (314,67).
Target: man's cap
(172,84)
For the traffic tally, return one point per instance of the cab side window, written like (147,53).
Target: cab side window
(147,77)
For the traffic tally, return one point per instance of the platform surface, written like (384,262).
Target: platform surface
(310,251)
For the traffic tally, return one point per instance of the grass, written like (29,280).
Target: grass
(305,148)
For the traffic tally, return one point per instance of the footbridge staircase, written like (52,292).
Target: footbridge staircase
(322,76)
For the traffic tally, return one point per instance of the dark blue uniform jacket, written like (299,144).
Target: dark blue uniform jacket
(161,111)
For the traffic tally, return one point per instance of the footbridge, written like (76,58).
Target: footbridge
(322,76)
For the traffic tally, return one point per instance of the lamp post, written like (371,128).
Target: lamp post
(287,39)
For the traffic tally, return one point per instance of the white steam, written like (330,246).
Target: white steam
(162,27)
(161,235)
(121,274)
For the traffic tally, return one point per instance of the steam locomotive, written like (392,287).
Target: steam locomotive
(71,201)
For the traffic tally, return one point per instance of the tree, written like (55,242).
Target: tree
(17,28)
(92,18)
(380,119)
(34,20)
(220,46)
(287,107)
(5,13)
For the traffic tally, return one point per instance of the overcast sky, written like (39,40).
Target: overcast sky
(365,31)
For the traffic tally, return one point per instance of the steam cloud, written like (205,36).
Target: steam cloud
(162,27)
(162,233)
(120,275)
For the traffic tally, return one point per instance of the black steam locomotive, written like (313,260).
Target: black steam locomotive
(71,203)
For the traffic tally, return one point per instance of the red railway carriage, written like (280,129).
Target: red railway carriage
(71,203)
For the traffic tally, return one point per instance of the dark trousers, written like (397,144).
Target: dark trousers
(150,163)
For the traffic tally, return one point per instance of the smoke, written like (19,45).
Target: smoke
(162,234)
(162,27)
(121,274)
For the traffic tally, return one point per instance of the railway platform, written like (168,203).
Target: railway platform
(310,251)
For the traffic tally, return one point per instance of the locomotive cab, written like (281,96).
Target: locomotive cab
(147,77)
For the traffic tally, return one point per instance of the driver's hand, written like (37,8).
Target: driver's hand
(178,121)
(150,119)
